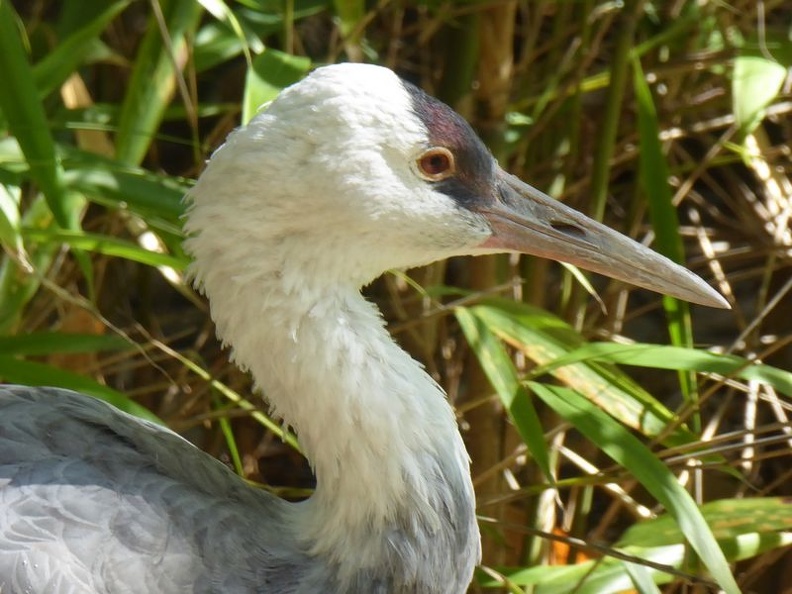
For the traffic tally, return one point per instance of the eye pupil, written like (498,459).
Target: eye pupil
(436,164)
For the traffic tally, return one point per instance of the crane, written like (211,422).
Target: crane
(348,173)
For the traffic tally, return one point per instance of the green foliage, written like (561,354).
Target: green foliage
(24,115)
(760,70)
(550,342)
(153,81)
(115,106)
(270,72)
(497,364)
(600,411)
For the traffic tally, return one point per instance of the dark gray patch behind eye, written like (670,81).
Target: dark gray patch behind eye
(474,182)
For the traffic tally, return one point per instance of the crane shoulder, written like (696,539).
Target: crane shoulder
(95,500)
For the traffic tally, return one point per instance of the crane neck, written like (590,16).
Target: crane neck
(392,471)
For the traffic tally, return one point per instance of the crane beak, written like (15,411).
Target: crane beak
(525,220)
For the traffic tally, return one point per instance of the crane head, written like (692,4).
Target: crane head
(361,172)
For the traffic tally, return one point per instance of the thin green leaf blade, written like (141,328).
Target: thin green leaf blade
(224,47)
(500,371)
(627,450)
(641,578)
(27,121)
(10,216)
(231,444)
(728,518)
(350,13)
(111,184)
(654,176)
(31,373)
(104,244)
(545,338)
(669,357)
(48,343)
(51,72)
(270,73)
(608,574)
(17,284)
(153,79)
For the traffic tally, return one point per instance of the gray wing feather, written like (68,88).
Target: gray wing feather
(95,501)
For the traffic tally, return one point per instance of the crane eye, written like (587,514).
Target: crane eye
(436,164)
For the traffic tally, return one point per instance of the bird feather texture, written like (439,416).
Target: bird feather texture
(320,193)
(284,232)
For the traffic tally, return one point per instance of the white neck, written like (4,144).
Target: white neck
(376,428)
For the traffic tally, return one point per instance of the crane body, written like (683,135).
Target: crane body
(346,174)
(180,522)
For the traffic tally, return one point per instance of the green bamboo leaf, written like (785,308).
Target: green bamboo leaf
(654,178)
(141,191)
(350,13)
(611,114)
(728,519)
(654,173)
(104,244)
(10,216)
(745,528)
(47,343)
(60,62)
(13,167)
(153,79)
(618,443)
(756,82)
(219,41)
(668,357)
(31,373)
(613,575)
(271,72)
(26,120)
(641,577)
(598,576)
(17,283)
(221,11)
(215,44)
(545,338)
(500,370)
(231,444)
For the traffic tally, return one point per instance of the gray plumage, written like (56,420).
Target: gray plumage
(95,500)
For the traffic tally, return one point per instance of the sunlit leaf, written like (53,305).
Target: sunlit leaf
(10,216)
(154,77)
(669,357)
(272,71)
(654,176)
(728,519)
(47,343)
(104,244)
(27,121)
(756,81)
(31,373)
(68,55)
(545,338)
(616,441)
(503,376)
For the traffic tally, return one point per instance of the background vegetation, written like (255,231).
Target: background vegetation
(668,120)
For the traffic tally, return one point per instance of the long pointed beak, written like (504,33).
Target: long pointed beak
(525,220)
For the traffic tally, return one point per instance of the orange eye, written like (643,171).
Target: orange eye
(436,164)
